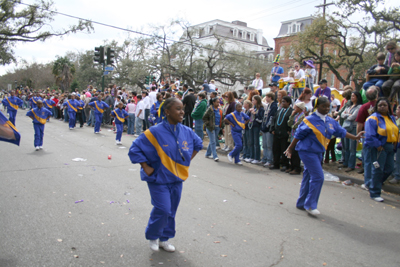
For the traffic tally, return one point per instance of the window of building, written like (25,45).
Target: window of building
(262,57)
(299,27)
(282,52)
(270,57)
(244,35)
(341,86)
(235,32)
(289,30)
(332,80)
(252,36)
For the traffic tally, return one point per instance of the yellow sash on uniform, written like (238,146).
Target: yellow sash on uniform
(241,124)
(42,121)
(33,99)
(48,105)
(71,106)
(11,104)
(118,117)
(99,109)
(320,136)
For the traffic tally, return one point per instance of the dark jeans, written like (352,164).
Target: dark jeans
(391,87)
(295,161)
(79,116)
(331,149)
(188,120)
(280,145)
(146,123)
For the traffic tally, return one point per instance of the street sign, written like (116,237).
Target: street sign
(9,86)
(105,73)
(109,68)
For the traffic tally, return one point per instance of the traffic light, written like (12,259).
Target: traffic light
(110,56)
(99,54)
(147,81)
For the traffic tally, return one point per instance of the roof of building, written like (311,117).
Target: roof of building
(230,30)
(293,26)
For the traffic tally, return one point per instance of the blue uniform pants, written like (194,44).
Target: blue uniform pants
(237,139)
(386,166)
(12,115)
(313,178)
(165,200)
(120,129)
(72,119)
(39,133)
(98,120)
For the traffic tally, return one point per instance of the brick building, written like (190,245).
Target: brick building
(283,41)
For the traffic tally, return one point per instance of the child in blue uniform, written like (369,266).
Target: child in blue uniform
(98,106)
(155,110)
(237,120)
(120,115)
(311,140)
(39,117)
(164,152)
(72,105)
(34,100)
(12,103)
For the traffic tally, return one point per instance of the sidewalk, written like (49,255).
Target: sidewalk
(332,168)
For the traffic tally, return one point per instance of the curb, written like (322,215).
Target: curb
(386,188)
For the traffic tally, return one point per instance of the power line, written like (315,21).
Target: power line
(269,9)
(132,31)
(283,10)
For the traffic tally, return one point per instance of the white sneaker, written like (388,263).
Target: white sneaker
(167,246)
(378,199)
(154,245)
(135,135)
(267,165)
(394,181)
(241,157)
(230,158)
(216,159)
(226,149)
(96,132)
(40,147)
(313,212)
(364,187)
(209,157)
(248,160)
(71,128)
(239,163)
(255,161)
(37,148)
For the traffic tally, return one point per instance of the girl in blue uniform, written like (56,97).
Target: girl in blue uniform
(98,106)
(12,103)
(164,152)
(311,140)
(381,138)
(156,109)
(120,115)
(39,117)
(72,105)
(237,120)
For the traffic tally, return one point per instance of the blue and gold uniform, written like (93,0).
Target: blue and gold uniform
(238,119)
(12,103)
(33,101)
(99,107)
(168,149)
(8,132)
(120,115)
(72,105)
(156,111)
(314,135)
(40,117)
(380,131)
(48,103)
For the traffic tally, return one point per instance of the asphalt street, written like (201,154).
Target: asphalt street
(59,212)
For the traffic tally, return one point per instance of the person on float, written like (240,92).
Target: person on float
(164,152)
(311,140)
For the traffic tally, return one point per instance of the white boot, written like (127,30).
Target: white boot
(167,246)
(154,245)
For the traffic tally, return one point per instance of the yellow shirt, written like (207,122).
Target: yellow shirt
(391,130)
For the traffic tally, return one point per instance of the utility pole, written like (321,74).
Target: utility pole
(322,41)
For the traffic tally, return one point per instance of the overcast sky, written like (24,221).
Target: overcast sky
(259,14)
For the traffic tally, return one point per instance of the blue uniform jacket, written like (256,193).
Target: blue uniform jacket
(99,106)
(120,115)
(81,104)
(72,105)
(315,134)
(5,125)
(155,111)
(375,130)
(48,103)
(39,115)
(238,119)
(161,147)
(33,101)
(12,103)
